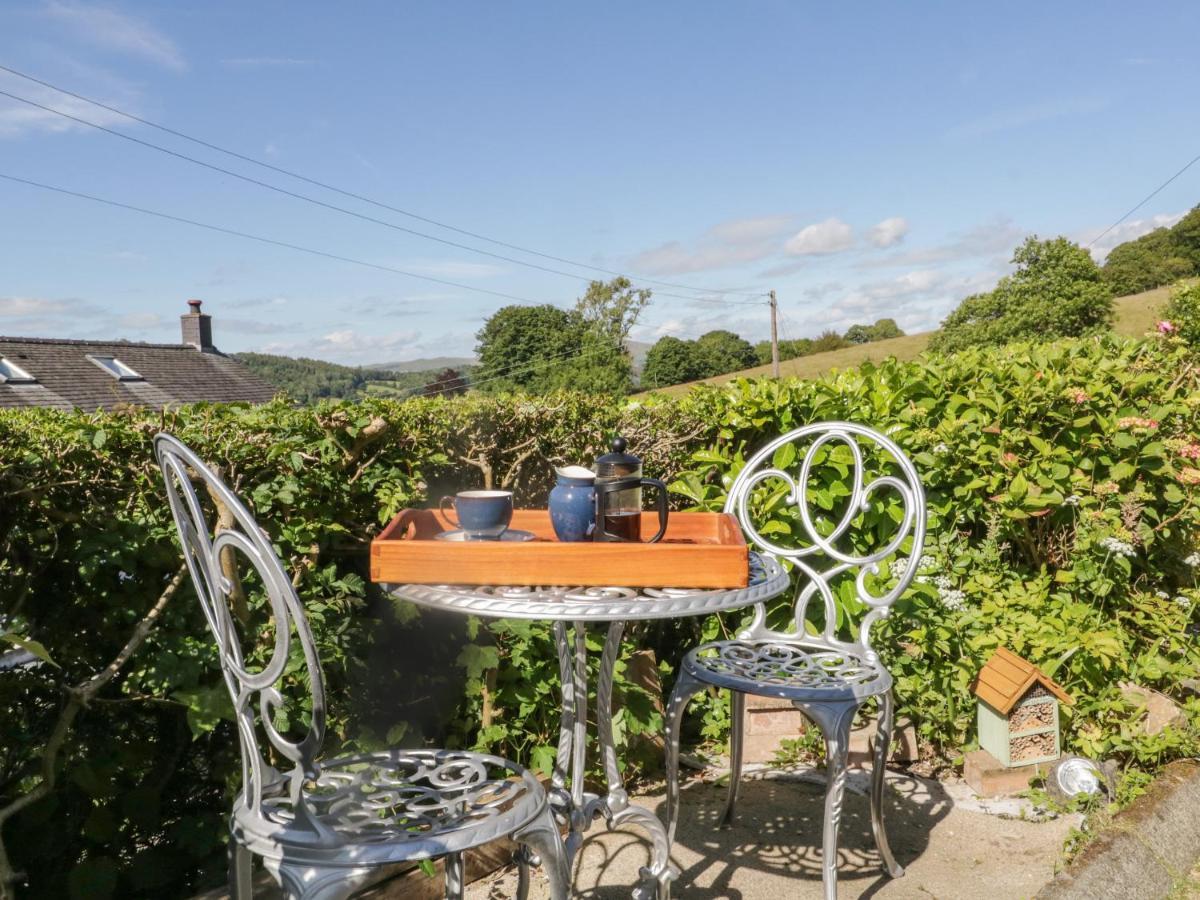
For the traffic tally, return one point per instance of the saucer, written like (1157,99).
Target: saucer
(512,534)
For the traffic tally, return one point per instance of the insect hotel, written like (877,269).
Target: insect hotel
(1017,711)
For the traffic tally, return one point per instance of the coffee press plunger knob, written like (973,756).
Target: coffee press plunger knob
(619,444)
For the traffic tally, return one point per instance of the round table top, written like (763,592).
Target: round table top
(768,579)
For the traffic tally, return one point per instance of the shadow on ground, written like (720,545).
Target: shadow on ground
(778,832)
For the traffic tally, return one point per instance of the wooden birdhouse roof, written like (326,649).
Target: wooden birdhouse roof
(1006,679)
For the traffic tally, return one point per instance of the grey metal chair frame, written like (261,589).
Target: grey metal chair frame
(827,678)
(328,828)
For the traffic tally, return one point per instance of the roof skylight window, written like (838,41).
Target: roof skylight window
(116,368)
(11,373)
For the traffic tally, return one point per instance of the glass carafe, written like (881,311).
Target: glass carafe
(619,485)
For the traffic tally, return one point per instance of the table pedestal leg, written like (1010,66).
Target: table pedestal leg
(579,807)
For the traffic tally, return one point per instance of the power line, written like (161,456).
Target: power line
(255,237)
(313,200)
(309,250)
(1143,202)
(292,174)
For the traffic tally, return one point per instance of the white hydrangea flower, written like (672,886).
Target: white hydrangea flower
(941,448)
(1193,560)
(1183,602)
(1163,595)
(1072,500)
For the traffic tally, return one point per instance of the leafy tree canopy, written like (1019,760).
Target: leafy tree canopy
(1160,257)
(882,330)
(1056,291)
(723,351)
(537,349)
(673,361)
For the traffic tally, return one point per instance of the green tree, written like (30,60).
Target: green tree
(827,340)
(1144,264)
(1056,291)
(448,383)
(520,347)
(723,351)
(673,361)
(606,313)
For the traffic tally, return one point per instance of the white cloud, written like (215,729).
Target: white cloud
(18,119)
(450,268)
(831,236)
(997,236)
(729,243)
(117,31)
(349,346)
(1126,231)
(889,232)
(1008,119)
(143,321)
(752,230)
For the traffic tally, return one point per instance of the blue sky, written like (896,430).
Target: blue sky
(866,160)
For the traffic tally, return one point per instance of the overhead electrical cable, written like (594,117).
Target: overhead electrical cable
(346,193)
(220,229)
(262,240)
(1143,201)
(321,203)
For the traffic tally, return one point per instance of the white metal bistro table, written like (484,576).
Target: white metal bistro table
(579,607)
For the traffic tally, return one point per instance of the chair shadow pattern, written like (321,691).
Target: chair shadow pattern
(771,846)
(824,675)
(326,829)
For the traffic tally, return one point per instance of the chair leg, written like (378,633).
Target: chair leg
(835,721)
(686,687)
(543,838)
(883,741)
(455,876)
(523,858)
(737,741)
(241,861)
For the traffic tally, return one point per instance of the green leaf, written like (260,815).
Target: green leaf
(34,647)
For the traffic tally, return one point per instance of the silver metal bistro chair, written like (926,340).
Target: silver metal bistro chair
(836,543)
(328,828)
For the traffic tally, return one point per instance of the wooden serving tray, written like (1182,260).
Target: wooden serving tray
(699,550)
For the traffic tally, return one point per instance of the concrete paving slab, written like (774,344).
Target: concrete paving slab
(951,846)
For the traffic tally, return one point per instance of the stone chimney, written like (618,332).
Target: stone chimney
(197,328)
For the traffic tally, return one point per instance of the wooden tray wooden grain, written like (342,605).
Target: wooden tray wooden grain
(699,550)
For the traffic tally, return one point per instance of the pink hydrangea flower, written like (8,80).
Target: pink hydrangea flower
(1165,327)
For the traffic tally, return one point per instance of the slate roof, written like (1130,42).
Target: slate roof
(172,373)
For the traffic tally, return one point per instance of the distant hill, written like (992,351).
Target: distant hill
(310,380)
(1135,315)
(429,364)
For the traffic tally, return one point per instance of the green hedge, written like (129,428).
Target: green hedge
(1064,520)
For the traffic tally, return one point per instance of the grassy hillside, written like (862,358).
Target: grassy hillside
(1136,315)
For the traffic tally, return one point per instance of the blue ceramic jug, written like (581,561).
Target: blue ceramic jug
(573,504)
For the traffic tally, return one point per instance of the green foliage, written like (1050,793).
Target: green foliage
(309,380)
(1182,314)
(675,361)
(672,361)
(1064,522)
(882,330)
(1057,291)
(1160,257)
(1062,481)
(537,349)
(723,351)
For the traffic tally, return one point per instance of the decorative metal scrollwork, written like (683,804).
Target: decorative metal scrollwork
(824,551)
(786,665)
(213,564)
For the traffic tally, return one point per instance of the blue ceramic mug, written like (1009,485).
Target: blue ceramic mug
(483,515)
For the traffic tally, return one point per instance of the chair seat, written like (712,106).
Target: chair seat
(789,670)
(393,806)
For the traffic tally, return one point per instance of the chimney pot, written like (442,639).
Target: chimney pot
(197,328)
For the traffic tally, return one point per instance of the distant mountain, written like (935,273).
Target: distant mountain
(430,364)
(310,380)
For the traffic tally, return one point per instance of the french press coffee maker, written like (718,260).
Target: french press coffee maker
(619,484)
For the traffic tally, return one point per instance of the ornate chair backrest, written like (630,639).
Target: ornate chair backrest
(213,565)
(819,542)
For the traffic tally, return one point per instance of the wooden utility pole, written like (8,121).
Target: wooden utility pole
(774,336)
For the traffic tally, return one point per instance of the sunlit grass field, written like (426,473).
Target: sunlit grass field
(1135,315)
